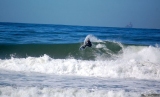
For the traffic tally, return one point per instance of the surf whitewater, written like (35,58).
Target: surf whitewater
(110,68)
(140,62)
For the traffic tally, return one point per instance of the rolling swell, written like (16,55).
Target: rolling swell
(59,51)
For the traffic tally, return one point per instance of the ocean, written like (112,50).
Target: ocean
(44,60)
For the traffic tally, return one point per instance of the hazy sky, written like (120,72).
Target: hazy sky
(108,13)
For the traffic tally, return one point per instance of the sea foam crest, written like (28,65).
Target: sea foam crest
(134,62)
(92,38)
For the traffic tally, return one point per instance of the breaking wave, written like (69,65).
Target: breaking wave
(61,51)
(141,62)
(104,59)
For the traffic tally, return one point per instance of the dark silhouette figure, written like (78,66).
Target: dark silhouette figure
(87,43)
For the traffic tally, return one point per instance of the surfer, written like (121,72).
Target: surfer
(86,43)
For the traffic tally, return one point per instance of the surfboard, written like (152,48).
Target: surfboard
(82,47)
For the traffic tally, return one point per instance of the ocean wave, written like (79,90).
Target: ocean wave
(60,51)
(134,62)
(105,59)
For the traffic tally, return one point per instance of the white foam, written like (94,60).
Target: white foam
(100,46)
(134,62)
(142,54)
(92,38)
(51,92)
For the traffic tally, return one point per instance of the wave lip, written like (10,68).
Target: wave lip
(59,51)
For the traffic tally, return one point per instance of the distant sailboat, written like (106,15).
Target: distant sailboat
(129,25)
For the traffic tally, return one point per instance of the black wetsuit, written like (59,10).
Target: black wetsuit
(87,43)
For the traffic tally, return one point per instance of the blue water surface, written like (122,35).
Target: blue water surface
(20,33)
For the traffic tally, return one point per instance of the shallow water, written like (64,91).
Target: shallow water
(37,84)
